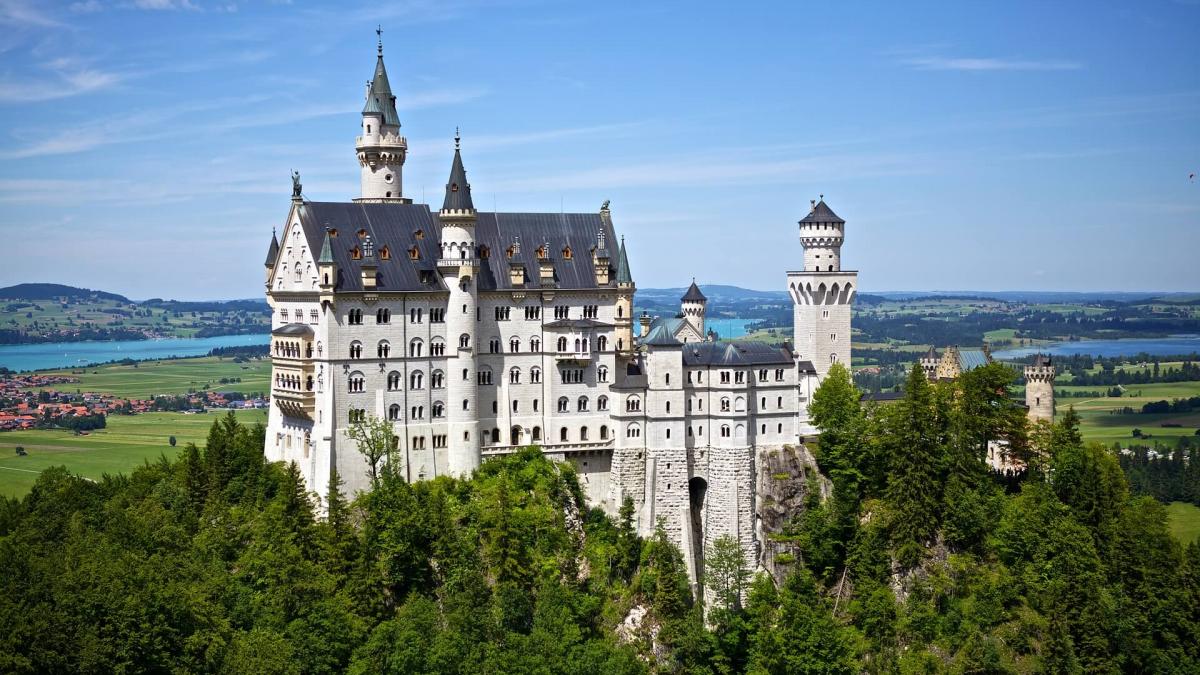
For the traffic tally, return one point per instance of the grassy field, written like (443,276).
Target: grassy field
(174,376)
(1184,521)
(127,442)
(1100,424)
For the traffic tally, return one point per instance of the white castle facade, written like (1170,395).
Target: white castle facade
(475,334)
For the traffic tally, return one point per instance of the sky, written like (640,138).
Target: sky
(146,145)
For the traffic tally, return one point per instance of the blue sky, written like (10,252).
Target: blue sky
(146,145)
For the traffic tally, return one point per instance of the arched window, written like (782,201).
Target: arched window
(724,431)
(464,341)
(833,358)
(494,346)
(356,350)
(535,375)
(394,380)
(582,404)
(394,412)
(633,431)
(577,349)
(668,407)
(416,347)
(725,404)
(384,349)
(563,404)
(437,379)
(439,409)
(604,432)
(739,404)
(356,383)
(535,344)
(354,317)
(562,434)
(602,403)
(583,433)
(416,380)
(299,273)
(536,434)
(514,375)
(562,344)
(514,345)
(602,374)
(602,344)
(633,404)
(383,315)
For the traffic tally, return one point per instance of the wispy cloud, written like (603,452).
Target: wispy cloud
(986,64)
(65,83)
(21,13)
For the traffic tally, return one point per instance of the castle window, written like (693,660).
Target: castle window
(464,341)
(562,344)
(633,431)
(355,253)
(780,430)
(485,252)
(583,436)
(535,405)
(393,381)
(494,346)
(466,406)
(668,433)
(484,376)
(535,344)
(602,403)
(739,377)
(824,314)
(566,252)
(563,402)
(833,358)
(562,434)
(602,344)
(582,404)
(603,432)
(355,415)
(356,350)
(416,380)
(779,402)
(724,377)
(437,347)
(414,253)
(667,379)
(633,404)
(514,345)
(602,374)
(514,376)
(362,233)
(419,234)
(668,407)
(416,315)
(515,407)
(535,376)
(394,413)
(833,337)
(415,347)
(437,380)
(536,434)
(383,350)
(779,374)
(724,405)
(439,409)
(724,431)
(502,313)
(355,317)
(357,383)
(418,412)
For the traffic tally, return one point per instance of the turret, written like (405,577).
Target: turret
(625,291)
(381,149)
(327,270)
(458,265)
(272,256)
(821,234)
(1039,388)
(693,304)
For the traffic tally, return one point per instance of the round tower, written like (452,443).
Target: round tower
(821,234)
(459,266)
(693,304)
(381,149)
(1039,388)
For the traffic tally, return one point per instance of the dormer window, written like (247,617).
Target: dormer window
(355,253)
(566,252)
(332,232)
(454,187)
(485,252)
(362,233)
(541,253)
(419,234)
(414,253)
(385,253)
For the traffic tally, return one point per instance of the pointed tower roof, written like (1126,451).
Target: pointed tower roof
(623,274)
(379,97)
(273,251)
(821,213)
(693,294)
(458,190)
(326,251)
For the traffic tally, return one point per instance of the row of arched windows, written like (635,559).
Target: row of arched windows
(383,350)
(581,404)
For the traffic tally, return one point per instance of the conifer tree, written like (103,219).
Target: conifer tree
(917,459)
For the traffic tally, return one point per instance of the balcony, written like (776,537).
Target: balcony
(292,403)
(577,357)
(457,263)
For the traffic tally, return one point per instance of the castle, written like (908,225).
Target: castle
(477,333)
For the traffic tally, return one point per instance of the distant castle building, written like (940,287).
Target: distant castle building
(476,333)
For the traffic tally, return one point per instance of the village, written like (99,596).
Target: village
(32,401)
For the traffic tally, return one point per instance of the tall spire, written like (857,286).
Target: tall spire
(379,96)
(273,251)
(458,190)
(623,274)
(326,250)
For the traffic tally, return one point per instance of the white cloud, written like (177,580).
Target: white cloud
(67,83)
(986,64)
(21,13)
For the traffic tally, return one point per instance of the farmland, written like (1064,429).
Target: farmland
(126,442)
(175,376)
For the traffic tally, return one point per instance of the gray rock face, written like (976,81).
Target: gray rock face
(783,485)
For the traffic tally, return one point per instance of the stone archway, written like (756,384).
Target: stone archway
(697,491)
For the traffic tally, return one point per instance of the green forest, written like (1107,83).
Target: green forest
(921,561)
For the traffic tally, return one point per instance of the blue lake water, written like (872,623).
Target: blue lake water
(73,354)
(1176,344)
(728,328)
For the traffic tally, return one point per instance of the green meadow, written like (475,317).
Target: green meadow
(1100,423)
(175,376)
(128,441)
(1184,521)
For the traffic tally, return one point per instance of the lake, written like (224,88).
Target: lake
(728,328)
(1175,344)
(74,354)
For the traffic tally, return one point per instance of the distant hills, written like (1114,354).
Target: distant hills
(54,291)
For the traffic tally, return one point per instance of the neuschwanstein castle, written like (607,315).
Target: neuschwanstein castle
(477,333)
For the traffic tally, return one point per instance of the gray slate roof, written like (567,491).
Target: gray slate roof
(624,276)
(970,359)
(659,336)
(693,294)
(458,190)
(821,213)
(294,330)
(741,353)
(395,225)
